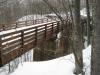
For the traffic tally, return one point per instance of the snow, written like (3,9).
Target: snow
(31,17)
(58,40)
(22,28)
(53,67)
(14,64)
(52,14)
(83,12)
(18,29)
(59,35)
(85,42)
(61,66)
(87,60)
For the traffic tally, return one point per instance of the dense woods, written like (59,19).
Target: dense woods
(77,27)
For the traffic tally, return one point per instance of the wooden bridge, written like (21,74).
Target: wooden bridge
(19,24)
(15,42)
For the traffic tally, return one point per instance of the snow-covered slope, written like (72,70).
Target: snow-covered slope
(60,66)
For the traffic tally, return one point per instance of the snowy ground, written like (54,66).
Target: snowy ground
(31,17)
(60,66)
(14,64)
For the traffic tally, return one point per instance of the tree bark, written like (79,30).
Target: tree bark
(88,22)
(77,39)
(95,60)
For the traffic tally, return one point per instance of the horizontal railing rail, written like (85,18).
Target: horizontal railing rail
(14,43)
(19,24)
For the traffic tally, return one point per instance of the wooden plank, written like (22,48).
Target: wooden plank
(11,38)
(29,39)
(36,32)
(29,32)
(11,48)
(22,39)
(32,35)
(41,28)
(12,42)
(0,52)
(40,37)
(28,29)
(41,32)
(11,56)
(45,31)
(22,23)
(11,33)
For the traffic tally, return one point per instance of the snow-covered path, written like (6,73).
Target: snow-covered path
(60,66)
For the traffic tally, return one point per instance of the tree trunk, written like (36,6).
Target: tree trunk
(88,22)
(77,38)
(95,64)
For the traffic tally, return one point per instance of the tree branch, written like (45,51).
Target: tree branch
(53,9)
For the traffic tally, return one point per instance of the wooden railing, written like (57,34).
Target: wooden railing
(14,43)
(23,23)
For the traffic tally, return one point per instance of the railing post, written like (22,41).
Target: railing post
(45,31)
(25,23)
(22,40)
(16,25)
(42,20)
(3,25)
(36,32)
(52,28)
(57,26)
(47,20)
(0,52)
(61,27)
(35,21)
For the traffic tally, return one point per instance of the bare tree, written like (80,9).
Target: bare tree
(75,39)
(95,64)
(88,21)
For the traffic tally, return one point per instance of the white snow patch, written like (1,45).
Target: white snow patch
(18,29)
(59,35)
(60,66)
(87,60)
(14,64)
(83,12)
(52,14)
(31,17)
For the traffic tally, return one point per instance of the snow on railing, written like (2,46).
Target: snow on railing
(23,23)
(15,42)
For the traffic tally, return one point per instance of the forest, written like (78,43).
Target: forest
(46,30)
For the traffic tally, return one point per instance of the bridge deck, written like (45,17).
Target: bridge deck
(16,42)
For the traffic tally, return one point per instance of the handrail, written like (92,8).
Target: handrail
(19,24)
(15,43)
